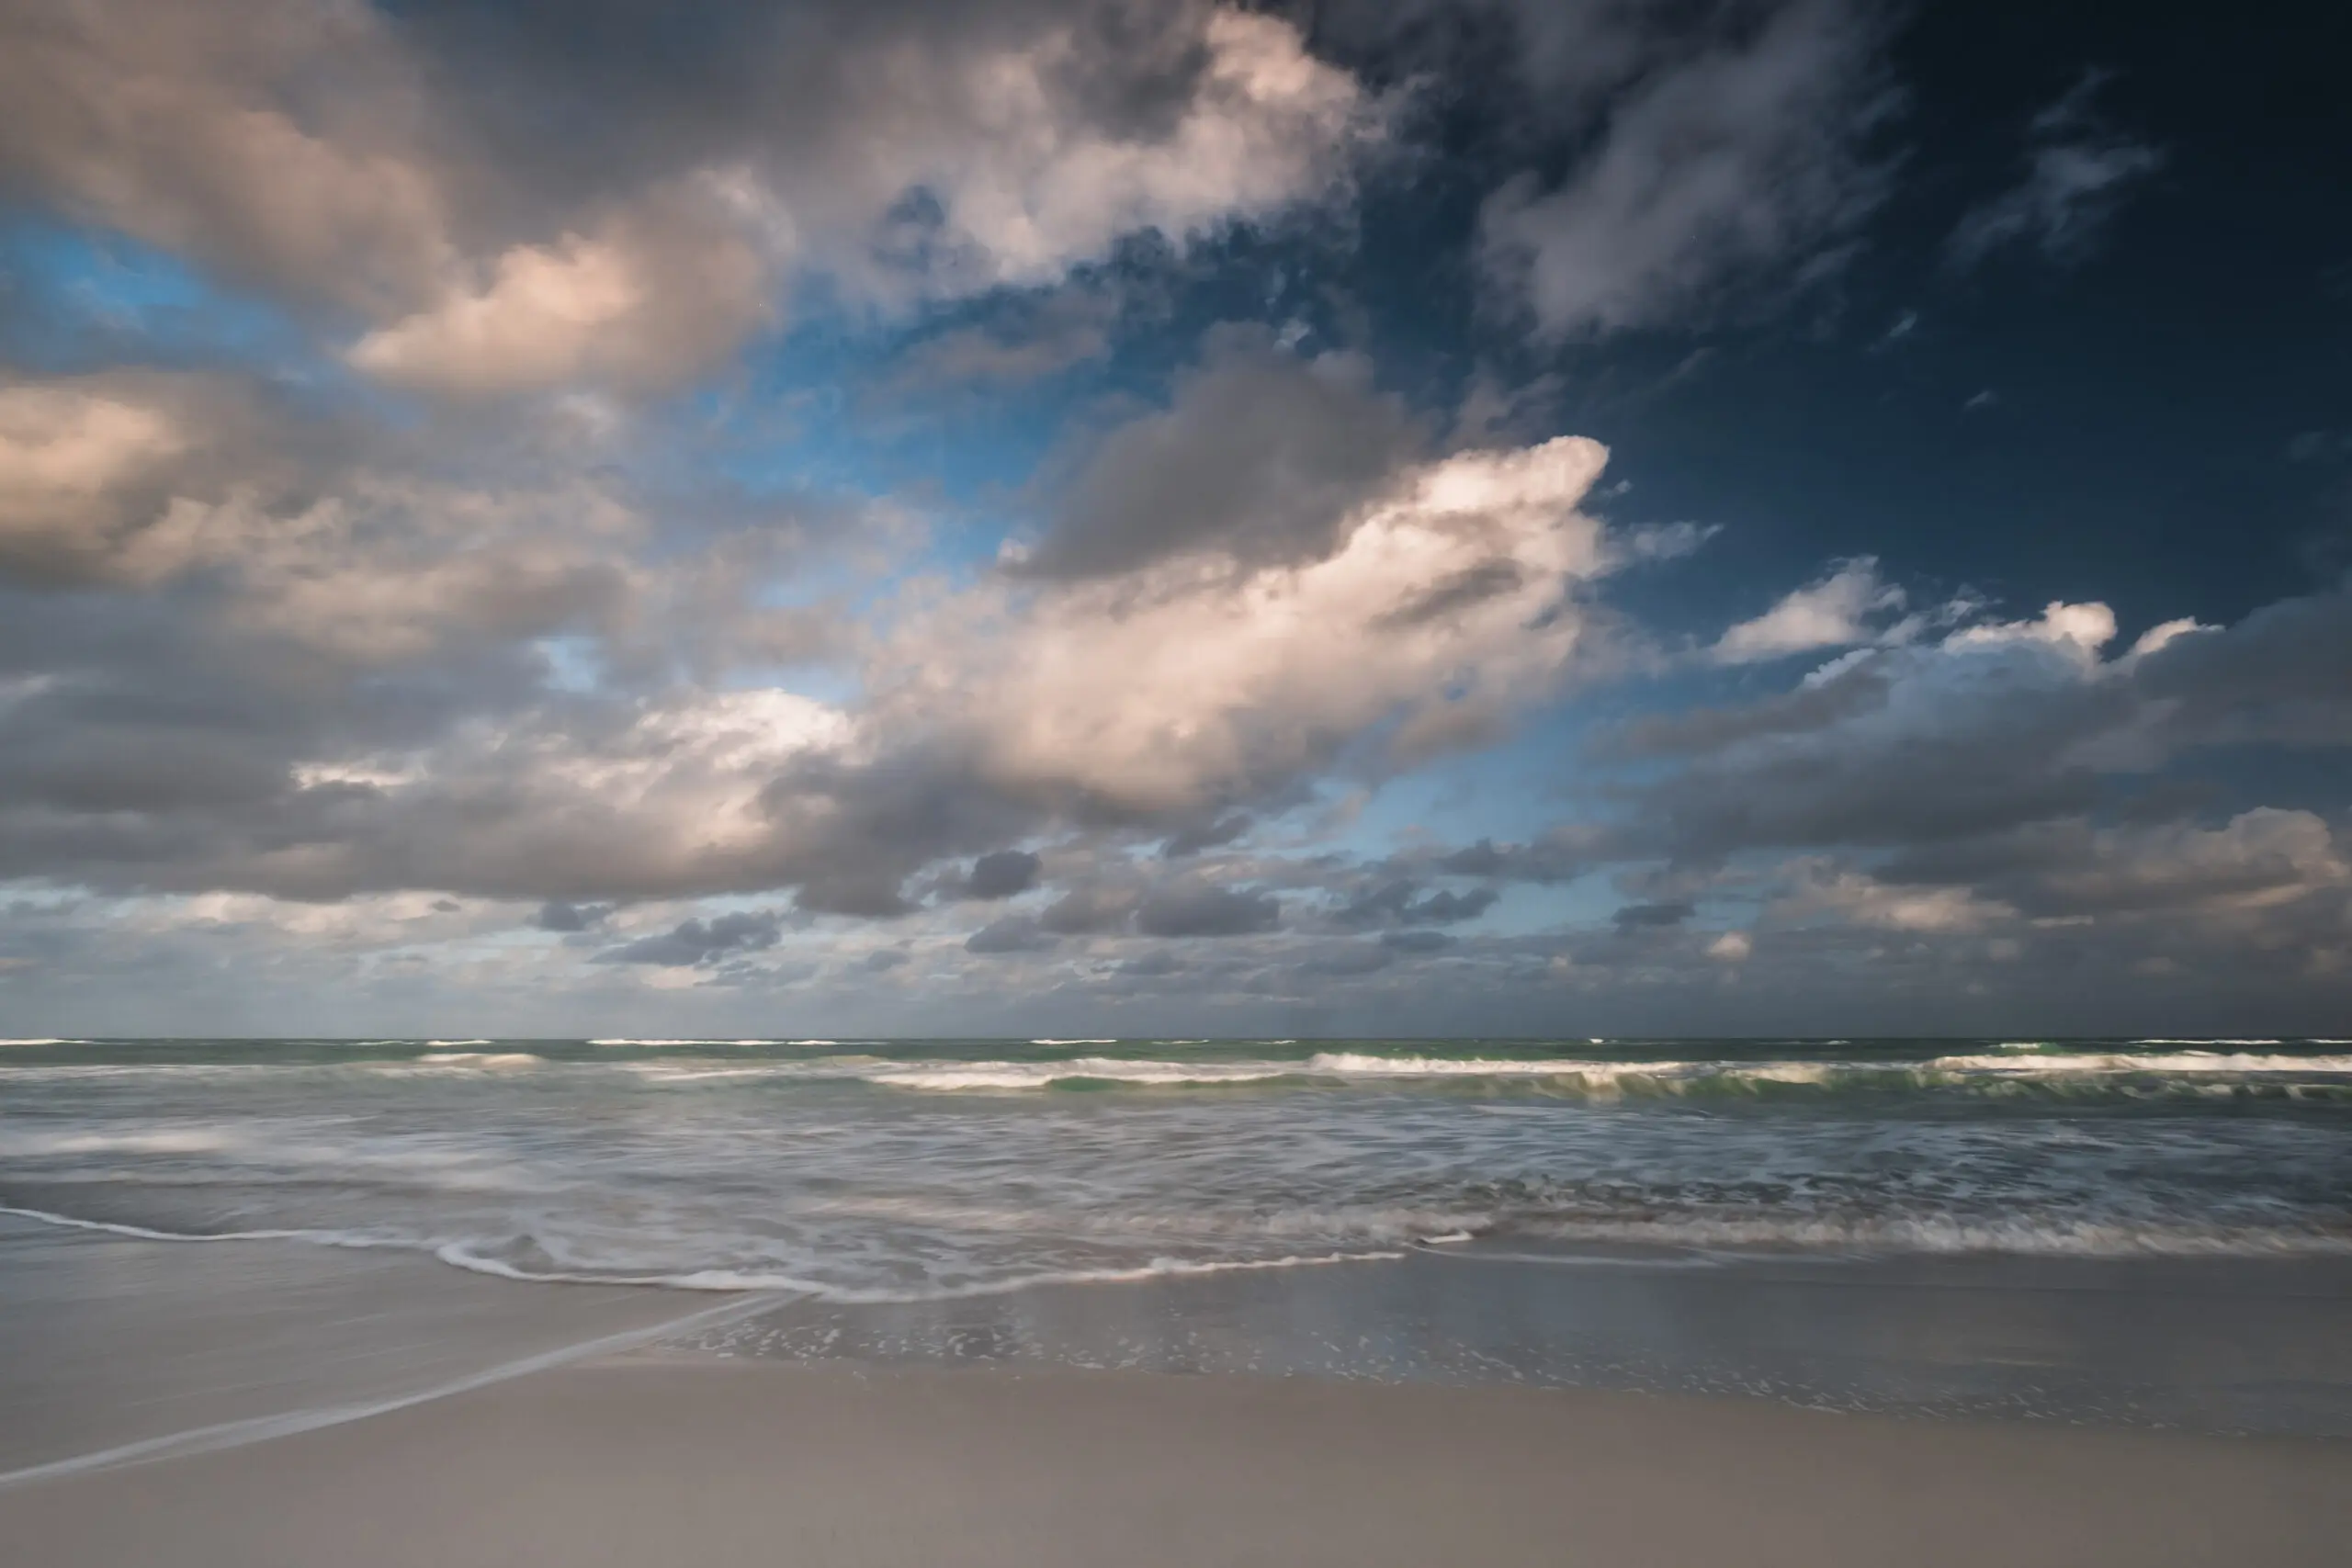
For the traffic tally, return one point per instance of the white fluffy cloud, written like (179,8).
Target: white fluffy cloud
(1027,189)
(908,158)
(1832,613)
(656,293)
(65,448)
(1445,606)
(1853,898)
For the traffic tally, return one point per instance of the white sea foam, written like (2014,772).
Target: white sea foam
(1045,1075)
(44,1040)
(1090,1068)
(455,1044)
(462,1061)
(1946,1234)
(354,1240)
(460,1256)
(470,1255)
(2215,1041)
(633,1042)
(2179,1062)
(1110,1041)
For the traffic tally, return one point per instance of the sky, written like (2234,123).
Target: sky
(1106,518)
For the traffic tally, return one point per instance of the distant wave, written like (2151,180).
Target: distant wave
(622,1041)
(2005,1070)
(2217,1041)
(2191,1070)
(2190,1061)
(462,1061)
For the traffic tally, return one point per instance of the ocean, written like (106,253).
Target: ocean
(2004,1225)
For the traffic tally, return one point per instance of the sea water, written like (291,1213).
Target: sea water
(1751,1215)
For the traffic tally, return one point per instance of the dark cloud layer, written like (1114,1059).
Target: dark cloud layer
(1261,457)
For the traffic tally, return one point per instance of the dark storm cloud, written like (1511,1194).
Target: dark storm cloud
(1423,942)
(1970,738)
(556,914)
(2071,866)
(623,90)
(1200,908)
(1641,917)
(700,941)
(1260,456)
(2282,674)
(1696,732)
(1002,874)
(1403,902)
(1209,836)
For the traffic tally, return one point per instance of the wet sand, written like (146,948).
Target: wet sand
(931,1437)
(106,1342)
(662,1457)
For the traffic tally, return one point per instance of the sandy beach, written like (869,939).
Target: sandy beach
(662,1457)
(251,1403)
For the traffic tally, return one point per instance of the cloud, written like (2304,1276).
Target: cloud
(2258,859)
(1649,916)
(2078,173)
(93,466)
(1261,456)
(1741,158)
(1012,933)
(1420,942)
(1002,874)
(513,203)
(1090,910)
(1191,908)
(656,294)
(557,914)
(1560,854)
(1856,898)
(1184,684)
(1832,613)
(695,941)
(1991,728)
(1035,339)
(196,128)
(1402,901)
(1212,835)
